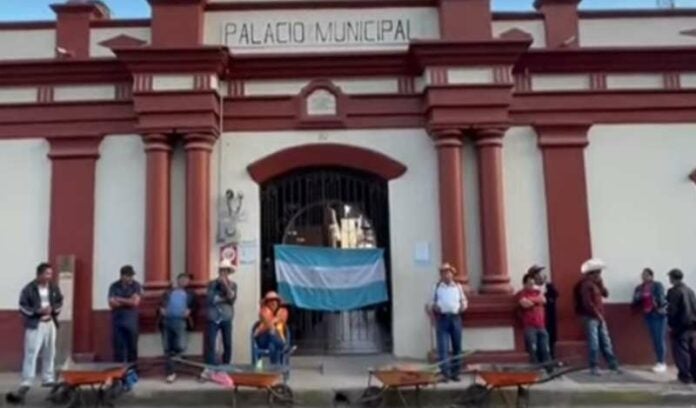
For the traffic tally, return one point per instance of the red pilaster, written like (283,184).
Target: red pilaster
(451,198)
(72,224)
(72,26)
(198,149)
(563,148)
(465,20)
(561,22)
(177,23)
(496,279)
(157,213)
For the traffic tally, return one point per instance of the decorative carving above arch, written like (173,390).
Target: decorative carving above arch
(325,154)
(321,104)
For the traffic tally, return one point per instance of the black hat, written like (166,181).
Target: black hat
(127,270)
(676,274)
(534,269)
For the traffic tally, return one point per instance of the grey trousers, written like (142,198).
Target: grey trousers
(41,340)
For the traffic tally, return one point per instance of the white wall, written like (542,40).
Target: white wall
(534,27)
(642,204)
(27,44)
(98,35)
(25,204)
(119,219)
(636,32)
(525,203)
(413,193)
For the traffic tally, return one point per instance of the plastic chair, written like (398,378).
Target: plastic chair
(258,353)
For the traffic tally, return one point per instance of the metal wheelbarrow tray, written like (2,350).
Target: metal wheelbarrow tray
(491,378)
(103,381)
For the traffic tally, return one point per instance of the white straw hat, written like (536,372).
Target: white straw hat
(593,265)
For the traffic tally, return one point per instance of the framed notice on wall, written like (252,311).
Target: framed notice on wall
(230,253)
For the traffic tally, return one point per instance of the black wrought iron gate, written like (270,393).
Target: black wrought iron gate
(329,207)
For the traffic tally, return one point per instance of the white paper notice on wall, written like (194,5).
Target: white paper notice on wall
(321,30)
(422,253)
(247,252)
(65,283)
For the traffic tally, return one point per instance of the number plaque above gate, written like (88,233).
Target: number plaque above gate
(321,30)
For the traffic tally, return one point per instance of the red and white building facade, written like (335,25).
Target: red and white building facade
(507,139)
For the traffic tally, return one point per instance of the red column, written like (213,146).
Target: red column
(72,27)
(157,211)
(489,143)
(73,163)
(567,215)
(561,22)
(465,20)
(198,148)
(451,196)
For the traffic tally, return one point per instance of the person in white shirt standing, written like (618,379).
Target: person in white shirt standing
(449,302)
(40,303)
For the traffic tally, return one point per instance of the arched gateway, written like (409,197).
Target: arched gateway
(334,196)
(334,207)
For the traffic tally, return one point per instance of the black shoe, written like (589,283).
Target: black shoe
(17,397)
(455,378)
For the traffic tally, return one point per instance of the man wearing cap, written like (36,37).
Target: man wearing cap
(589,304)
(220,298)
(124,298)
(551,296)
(449,302)
(681,317)
(176,317)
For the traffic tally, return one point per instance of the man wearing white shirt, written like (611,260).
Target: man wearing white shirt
(449,302)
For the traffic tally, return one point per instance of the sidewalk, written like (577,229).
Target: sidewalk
(636,387)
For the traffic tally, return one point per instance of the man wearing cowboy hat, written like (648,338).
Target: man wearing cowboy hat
(449,302)
(271,331)
(220,298)
(589,304)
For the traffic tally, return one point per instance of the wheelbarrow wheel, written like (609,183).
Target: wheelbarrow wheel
(74,399)
(280,395)
(372,397)
(61,394)
(474,396)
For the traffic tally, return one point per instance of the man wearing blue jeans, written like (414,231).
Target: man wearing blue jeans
(220,298)
(124,299)
(449,302)
(176,311)
(589,294)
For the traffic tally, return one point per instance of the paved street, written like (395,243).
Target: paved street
(314,389)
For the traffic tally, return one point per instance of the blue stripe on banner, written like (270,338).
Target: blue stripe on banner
(327,257)
(333,300)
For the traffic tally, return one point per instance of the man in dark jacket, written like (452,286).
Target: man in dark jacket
(589,304)
(176,311)
(124,299)
(40,303)
(220,298)
(681,317)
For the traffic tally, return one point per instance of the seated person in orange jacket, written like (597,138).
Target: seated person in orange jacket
(270,333)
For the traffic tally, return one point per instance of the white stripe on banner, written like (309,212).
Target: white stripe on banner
(340,277)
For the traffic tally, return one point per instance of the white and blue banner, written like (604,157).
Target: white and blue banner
(329,279)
